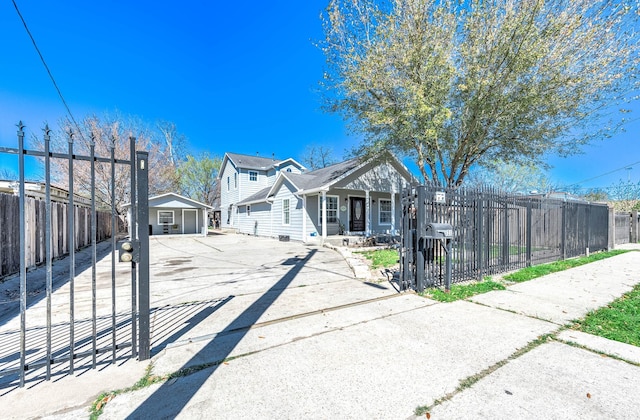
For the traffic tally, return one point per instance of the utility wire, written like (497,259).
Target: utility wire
(64,102)
(605,174)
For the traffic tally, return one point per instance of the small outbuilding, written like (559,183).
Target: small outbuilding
(173,214)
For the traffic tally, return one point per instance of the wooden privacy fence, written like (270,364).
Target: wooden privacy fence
(35,231)
(626,227)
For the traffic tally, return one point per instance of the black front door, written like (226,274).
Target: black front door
(357,214)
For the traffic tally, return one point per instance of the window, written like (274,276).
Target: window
(253,176)
(228,183)
(285,212)
(332,209)
(288,169)
(384,212)
(235,180)
(248,210)
(165,217)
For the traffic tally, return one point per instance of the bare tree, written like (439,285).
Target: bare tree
(317,157)
(107,133)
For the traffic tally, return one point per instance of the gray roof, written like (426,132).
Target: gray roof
(252,162)
(309,180)
(261,195)
(313,180)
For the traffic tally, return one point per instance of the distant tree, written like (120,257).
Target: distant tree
(8,174)
(511,177)
(595,194)
(625,196)
(198,177)
(175,142)
(453,83)
(317,157)
(105,132)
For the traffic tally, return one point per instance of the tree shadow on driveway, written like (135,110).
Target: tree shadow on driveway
(165,402)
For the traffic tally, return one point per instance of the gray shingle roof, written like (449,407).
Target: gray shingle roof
(252,162)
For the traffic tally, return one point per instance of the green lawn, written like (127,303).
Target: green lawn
(463,291)
(381,257)
(619,321)
(544,269)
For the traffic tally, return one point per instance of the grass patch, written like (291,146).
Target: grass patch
(619,321)
(463,291)
(98,405)
(381,257)
(544,269)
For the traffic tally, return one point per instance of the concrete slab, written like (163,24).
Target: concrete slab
(601,344)
(553,381)
(383,367)
(569,295)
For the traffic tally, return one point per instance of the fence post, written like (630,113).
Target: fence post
(634,227)
(529,233)
(563,239)
(506,247)
(611,228)
(420,229)
(479,235)
(142,176)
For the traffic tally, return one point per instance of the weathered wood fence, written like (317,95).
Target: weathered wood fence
(35,231)
(626,227)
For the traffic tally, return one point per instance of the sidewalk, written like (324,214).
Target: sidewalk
(347,349)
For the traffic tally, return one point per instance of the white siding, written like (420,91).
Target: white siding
(258,223)
(228,196)
(248,188)
(381,178)
(294,228)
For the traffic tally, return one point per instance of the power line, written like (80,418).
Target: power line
(605,174)
(24,23)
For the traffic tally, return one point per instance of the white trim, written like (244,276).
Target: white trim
(173,217)
(337,209)
(390,211)
(186,210)
(288,212)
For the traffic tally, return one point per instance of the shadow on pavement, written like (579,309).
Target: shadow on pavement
(171,402)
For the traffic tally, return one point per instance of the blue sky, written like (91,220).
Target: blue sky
(233,76)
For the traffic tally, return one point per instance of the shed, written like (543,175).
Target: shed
(172,213)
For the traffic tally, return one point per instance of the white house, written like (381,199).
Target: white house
(268,197)
(174,214)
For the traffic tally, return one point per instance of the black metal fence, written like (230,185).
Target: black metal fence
(492,233)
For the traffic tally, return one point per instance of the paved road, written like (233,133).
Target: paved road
(300,337)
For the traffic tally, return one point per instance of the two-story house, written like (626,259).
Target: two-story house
(270,197)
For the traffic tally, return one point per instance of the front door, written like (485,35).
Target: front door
(357,214)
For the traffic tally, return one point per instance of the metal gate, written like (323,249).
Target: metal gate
(32,350)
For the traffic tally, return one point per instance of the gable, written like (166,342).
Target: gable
(374,176)
(175,201)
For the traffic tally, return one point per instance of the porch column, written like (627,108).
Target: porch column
(304,218)
(367,200)
(393,212)
(323,213)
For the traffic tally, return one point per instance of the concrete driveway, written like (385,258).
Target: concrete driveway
(268,329)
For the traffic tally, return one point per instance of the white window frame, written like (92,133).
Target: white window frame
(380,201)
(253,176)
(166,211)
(286,211)
(235,180)
(329,210)
(248,210)
(228,183)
